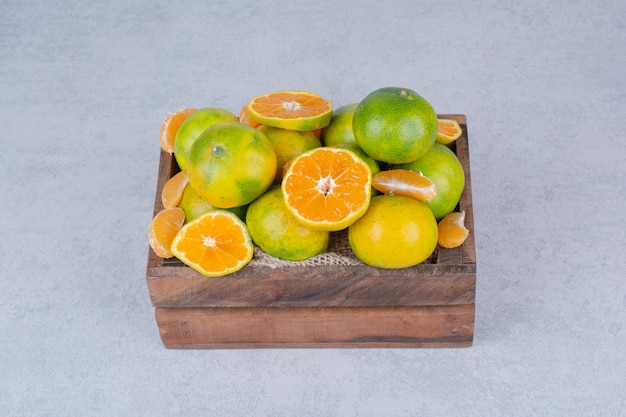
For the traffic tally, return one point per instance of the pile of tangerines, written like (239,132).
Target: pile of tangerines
(289,169)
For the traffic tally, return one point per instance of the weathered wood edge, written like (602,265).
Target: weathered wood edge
(315,290)
(232,328)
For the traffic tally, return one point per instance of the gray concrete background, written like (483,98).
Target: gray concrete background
(84,86)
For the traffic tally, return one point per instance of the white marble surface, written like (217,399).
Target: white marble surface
(84,86)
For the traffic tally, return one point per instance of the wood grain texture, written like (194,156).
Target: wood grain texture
(292,287)
(215,328)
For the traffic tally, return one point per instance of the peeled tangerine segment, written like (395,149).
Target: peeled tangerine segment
(448,130)
(163,228)
(173,189)
(170,127)
(405,182)
(452,230)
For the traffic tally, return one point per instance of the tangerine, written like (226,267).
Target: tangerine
(277,232)
(395,125)
(327,188)
(395,232)
(215,244)
(339,130)
(193,126)
(194,206)
(291,109)
(231,164)
(288,144)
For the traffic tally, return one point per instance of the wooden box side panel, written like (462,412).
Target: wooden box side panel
(297,287)
(461,148)
(206,328)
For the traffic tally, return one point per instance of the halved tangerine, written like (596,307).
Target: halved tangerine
(215,244)
(405,182)
(170,127)
(452,230)
(327,188)
(289,109)
(164,226)
(173,189)
(448,130)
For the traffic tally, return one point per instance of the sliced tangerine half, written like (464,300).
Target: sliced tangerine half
(289,109)
(448,130)
(173,189)
(405,182)
(164,226)
(452,230)
(170,127)
(215,244)
(327,188)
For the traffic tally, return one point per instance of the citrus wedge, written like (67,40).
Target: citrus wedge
(405,182)
(452,230)
(173,189)
(294,110)
(164,226)
(215,244)
(448,130)
(327,188)
(170,127)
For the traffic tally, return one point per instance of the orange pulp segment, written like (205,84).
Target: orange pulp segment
(163,228)
(452,230)
(405,182)
(173,189)
(448,130)
(215,244)
(327,188)
(294,110)
(170,127)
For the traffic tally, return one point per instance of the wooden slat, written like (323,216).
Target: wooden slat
(209,328)
(291,287)
(468,249)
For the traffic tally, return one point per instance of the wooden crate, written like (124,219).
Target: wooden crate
(352,305)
